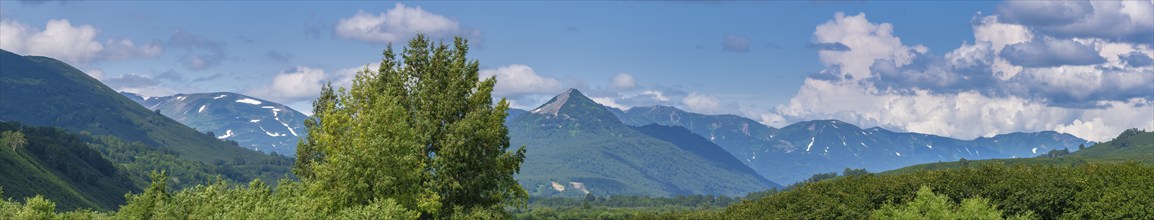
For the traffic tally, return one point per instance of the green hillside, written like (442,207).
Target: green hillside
(61,167)
(42,91)
(1131,145)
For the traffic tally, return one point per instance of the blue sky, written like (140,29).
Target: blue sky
(960,68)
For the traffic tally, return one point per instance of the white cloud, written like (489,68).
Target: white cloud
(1084,86)
(60,40)
(609,101)
(519,79)
(398,24)
(1130,21)
(867,41)
(701,103)
(963,115)
(75,45)
(1000,34)
(623,81)
(297,84)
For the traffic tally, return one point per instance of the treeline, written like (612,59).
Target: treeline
(1090,191)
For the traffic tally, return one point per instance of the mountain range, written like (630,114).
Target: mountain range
(252,122)
(783,155)
(797,151)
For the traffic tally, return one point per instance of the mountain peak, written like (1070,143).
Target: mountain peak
(553,106)
(572,105)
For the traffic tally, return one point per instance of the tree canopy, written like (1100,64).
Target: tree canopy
(422,130)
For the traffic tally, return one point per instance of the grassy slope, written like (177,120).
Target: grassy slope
(23,176)
(60,166)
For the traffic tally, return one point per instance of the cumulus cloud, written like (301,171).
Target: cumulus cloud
(399,24)
(869,42)
(519,79)
(1130,21)
(962,115)
(59,39)
(623,81)
(1136,59)
(76,45)
(293,85)
(1009,79)
(733,43)
(1051,52)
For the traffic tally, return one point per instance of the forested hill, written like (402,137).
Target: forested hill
(42,91)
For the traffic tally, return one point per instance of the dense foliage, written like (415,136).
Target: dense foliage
(424,133)
(929,205)
(1090,191)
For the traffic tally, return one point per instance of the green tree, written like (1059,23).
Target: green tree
(151,204)
(15,139)
(929,205)
(424,132)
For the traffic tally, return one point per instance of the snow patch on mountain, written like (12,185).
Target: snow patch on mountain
(286,126)
(201,109)
(227,134)
(249,101)
(811,139)
(219,97)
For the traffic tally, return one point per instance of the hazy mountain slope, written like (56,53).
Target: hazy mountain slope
(576,145)
(688,141)
(254,123)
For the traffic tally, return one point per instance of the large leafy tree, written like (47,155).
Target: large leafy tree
(422,130)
